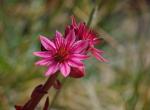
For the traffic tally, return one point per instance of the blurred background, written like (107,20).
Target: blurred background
(121,84)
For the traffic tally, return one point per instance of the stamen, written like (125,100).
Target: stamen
(61,54)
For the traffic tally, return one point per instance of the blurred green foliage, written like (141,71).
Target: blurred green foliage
(121,84)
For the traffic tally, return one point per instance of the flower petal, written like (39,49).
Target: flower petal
(97,50)
(58,34)
(52,69)
(44,62)
(75,63)
(59,40)
(65,69)
(96,41)
(80,46)
(99,56)
(70,38)
(74,24)
(79,56)
(48,44)
(43,54)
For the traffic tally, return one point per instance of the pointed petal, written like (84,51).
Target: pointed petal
(52,69)
(79,56)
(59,40)
(77,72)
(70,39)
(98,56)
(48,44)
(74,24)
(58,34)
(96,41)
(97,50)
(65,69)
(44,62)
(80,46)
(43,54)
(75,63)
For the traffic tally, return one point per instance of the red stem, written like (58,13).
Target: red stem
(38,94)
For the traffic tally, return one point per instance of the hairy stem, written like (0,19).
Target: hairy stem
(39,93)
(57,93)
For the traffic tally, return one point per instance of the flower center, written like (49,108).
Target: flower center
(61,54)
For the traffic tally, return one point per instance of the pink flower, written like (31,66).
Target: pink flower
(83,32)
(62,53)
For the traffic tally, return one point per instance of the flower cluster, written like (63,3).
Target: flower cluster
(65,53)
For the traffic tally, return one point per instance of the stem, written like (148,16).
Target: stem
(54,99)
(57,93)
(39,93)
